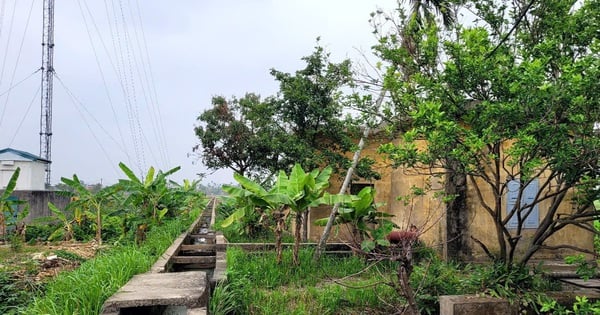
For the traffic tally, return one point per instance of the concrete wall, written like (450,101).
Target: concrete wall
(38,202)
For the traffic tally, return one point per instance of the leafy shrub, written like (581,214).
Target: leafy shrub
(434,277)
(11,295)
(39,232)
(251,229)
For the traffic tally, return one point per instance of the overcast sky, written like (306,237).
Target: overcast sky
(133,75)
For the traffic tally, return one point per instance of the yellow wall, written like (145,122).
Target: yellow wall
(427,212)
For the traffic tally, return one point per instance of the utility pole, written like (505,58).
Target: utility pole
(47,75)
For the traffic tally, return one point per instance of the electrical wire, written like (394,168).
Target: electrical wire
(2,16)
(79,106)
(100,69)
(14,73)
(19,83)
(135,105)
(35,97)
(149,76)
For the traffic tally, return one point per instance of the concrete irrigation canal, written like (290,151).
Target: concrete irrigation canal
(181,279)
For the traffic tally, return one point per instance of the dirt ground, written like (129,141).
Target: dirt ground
(42,261)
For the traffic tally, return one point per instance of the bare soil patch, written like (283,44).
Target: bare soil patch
(43,261)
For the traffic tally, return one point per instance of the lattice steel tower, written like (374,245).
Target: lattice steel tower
(47,75)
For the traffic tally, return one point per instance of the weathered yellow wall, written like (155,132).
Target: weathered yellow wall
(483,228)
(427,212)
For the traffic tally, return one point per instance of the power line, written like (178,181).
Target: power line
(24,116)
(19,83)
(79,106)
(14,72)
(100,69)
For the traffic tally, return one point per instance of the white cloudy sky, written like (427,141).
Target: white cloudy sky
(133,75)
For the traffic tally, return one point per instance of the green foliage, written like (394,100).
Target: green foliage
(90,205)
(493,104)
(9,206)
(261,286)
(223,300)
(296,193)
(582,306)
(302,124)
(238,134)
(68,255)
(585,269)
(65,231)
(146,194)
(11,294)
(39,231)
(361,213)
(434,277)
(516,283)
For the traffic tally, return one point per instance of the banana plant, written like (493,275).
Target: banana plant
(253,199)
(9,205)
(360,212)
(66,230)
(306,190)
(295,193)
(145,197)
(89,204)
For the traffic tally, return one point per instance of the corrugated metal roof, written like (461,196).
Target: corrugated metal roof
(18,155)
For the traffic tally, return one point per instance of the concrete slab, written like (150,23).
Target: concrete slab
(589,284)
(184,289)
(475,305)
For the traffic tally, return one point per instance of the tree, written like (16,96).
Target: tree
(411,49)
(512,109)
(302,124)
(238,134)
(308,107)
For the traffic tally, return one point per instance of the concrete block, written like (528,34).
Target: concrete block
(475,305)
(173,291)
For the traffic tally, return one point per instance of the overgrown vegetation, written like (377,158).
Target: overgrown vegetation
(352,285)
(139,217)
(84,290)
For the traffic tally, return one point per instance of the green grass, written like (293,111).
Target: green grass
(257,285)
(84,290)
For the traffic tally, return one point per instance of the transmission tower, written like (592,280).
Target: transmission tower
(47,75)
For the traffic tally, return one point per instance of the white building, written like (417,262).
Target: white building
(33,169)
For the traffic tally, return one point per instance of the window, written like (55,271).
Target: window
(527,198)
(355,188)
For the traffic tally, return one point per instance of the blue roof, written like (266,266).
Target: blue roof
(23,154)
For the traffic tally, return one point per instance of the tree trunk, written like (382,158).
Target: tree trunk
(346,183)
(305,217)
(297,238)
(457,237)
(278,231)
(99,228)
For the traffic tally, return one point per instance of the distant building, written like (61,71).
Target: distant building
(33,169)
